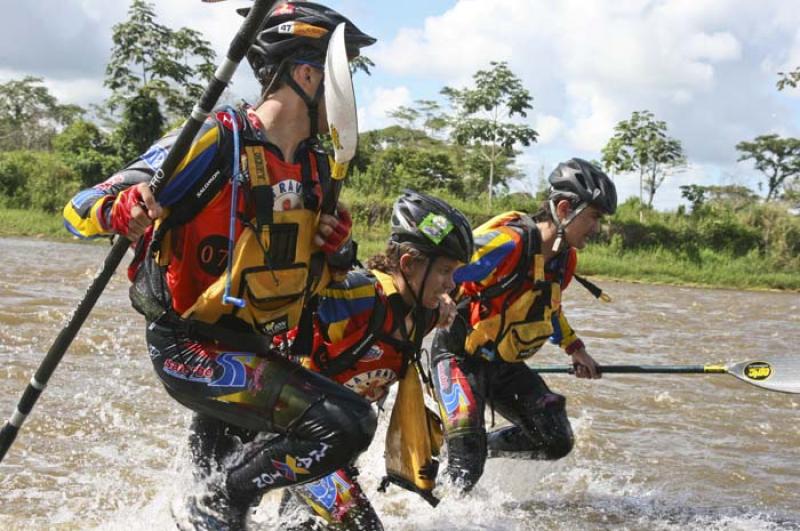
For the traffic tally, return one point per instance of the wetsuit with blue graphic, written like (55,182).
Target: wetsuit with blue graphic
(343,319)
(261,422)
(465,384)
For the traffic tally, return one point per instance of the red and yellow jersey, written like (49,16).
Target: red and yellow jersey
(499,249)
(343,320)
(197,249)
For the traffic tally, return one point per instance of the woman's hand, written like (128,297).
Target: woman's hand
(447,311)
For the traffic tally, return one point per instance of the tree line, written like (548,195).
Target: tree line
(49,150)
(466,145)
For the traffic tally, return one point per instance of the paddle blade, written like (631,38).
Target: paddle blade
(340,101)
(776,375)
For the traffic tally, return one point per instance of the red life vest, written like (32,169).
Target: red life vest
(359,350)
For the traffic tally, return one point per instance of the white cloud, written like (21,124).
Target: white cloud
(374,114)
(721,46)
(594,116)
(708,68)
(448,45)
(82,91)
(699,66)
(549,128)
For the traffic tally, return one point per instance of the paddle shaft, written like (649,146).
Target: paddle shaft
(238,48)
(639,369)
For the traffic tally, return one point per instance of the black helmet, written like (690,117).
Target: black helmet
(294,26)
(581,180)
(432,226)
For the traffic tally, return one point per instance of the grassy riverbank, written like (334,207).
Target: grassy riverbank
(668,248)
(710,268)
(655,266)
(704,267)
(32,223)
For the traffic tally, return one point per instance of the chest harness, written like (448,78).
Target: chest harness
(272,267)
(409,344)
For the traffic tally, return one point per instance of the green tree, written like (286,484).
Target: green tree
(150,58)
(87,151)
(791,190)
(362,63)
(397,157)
(396,168)
(35,179)
(473,167)
(789,79)
(141,125)
(730,196)
(641,145)
(198,58)
(424,115)
(696,195)
(30,115)
(480,121)
(407,116)
(777,158)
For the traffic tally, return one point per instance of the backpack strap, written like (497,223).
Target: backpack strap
(532,245)
(304,340)
(209,185)
(358,350)
(409,346)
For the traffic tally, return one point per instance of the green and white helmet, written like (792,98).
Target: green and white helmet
(432,226)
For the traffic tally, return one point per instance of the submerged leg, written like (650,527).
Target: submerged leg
(308,426)
(541,428)
(461,407)
(334,502)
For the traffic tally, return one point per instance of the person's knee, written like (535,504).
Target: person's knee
(559,446)
(351,420)
(553,423)
(466,459)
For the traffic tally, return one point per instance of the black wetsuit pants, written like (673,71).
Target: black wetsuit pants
(296,426)
(464,387)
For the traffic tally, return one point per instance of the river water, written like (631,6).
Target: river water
(105,448)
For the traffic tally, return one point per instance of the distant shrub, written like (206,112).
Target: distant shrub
(36,179)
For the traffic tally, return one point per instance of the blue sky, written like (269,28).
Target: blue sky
(708,68)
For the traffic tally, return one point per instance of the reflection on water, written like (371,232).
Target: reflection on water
(105,448)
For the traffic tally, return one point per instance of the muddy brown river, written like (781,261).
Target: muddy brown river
(105,448)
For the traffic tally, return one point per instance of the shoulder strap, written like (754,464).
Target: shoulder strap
(304,340)
(350,357)
(374,333)
(324,175)
(191,204)
(209,185)
(532,245)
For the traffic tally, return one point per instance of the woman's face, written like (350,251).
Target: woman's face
(439,281)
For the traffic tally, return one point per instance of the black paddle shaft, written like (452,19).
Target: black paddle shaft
(238,47)
(630,369)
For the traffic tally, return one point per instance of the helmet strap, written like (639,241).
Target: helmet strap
(275,77)
(418,295)
(312,102)
(561,226)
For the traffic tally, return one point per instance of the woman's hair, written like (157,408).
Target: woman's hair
(389,261)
